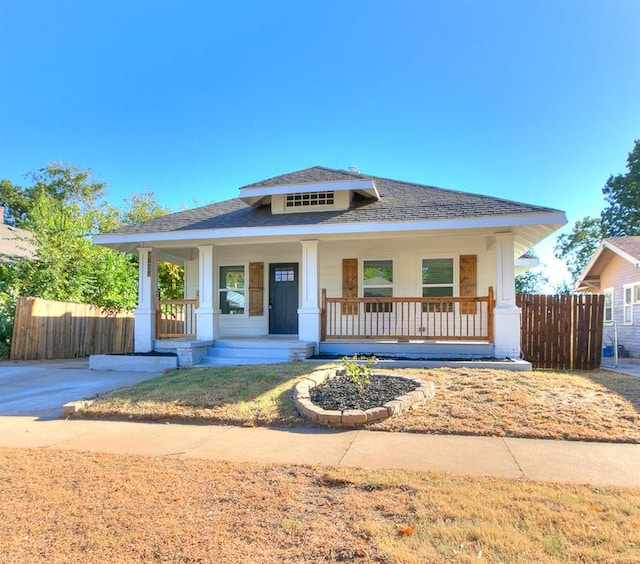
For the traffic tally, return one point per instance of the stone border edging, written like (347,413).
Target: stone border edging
(355,417)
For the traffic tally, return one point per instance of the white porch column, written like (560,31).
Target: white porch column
(144,327)
(506,313)
(309,312)
(207,316)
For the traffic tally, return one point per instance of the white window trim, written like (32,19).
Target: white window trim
(361,274)
(456,271)
(605,292)
(627,306)
(244,265)
(636,292)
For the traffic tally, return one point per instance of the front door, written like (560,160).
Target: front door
(283,299)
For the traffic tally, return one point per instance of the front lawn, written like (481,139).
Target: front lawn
(599,405)
(88,507)
(236,395)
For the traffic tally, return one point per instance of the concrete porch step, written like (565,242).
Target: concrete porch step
(232,352)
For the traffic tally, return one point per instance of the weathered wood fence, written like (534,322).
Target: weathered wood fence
(562,332)
(45,330)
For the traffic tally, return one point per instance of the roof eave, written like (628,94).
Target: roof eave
(538,225)
(581,285)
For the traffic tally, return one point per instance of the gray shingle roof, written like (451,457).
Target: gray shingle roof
(399,202)
(629,245)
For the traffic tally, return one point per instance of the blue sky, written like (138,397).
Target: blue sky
(537,101)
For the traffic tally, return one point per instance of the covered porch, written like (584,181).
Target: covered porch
(334,321)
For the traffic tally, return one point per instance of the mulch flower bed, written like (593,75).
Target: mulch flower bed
(340,393)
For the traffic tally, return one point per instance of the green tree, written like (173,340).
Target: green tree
(63,208)
(57,182)
(619,218)
(531,282)
(576,248)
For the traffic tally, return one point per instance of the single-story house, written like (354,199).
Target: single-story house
(336,262)
(614,270)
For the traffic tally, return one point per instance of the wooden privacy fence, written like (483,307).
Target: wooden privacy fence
(562,332)
(45,330)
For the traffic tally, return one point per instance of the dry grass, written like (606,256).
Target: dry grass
(594,406)
(237,395)
(598,405)
(70,507)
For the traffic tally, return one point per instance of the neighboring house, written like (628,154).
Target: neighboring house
(342,262)
(14,242)
(614,270)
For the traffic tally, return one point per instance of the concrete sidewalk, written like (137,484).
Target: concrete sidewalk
(543,460)
(630,366)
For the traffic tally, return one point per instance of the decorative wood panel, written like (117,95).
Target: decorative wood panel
(350,284)
(468,281)
(256,289)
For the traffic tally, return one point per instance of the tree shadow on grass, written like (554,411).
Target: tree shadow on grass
(623,385)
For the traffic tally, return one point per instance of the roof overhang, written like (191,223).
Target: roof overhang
(15,243)
(523,264)
(261,195)
(589,279)
(528,230)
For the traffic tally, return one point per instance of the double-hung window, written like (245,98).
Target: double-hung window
(627,310)
(232,290)
(437,282)
(608,305)
(377,282)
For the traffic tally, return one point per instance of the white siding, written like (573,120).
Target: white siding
(616,275)
(407,255)
(405,252)
(244,325)
(190,279)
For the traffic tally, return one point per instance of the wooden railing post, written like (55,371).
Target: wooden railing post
(490,308)
(158,315)
(323,316)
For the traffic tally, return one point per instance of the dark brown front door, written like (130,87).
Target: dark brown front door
(283,299)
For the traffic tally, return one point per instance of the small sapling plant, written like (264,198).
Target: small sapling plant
(359,369)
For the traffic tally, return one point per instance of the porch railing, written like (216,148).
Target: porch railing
(403,319)
(176,318)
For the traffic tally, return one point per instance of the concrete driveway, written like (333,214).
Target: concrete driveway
(41,388)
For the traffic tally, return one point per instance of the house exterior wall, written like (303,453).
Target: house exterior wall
(245,325)
(406,254)
(190,279)
(618,274)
